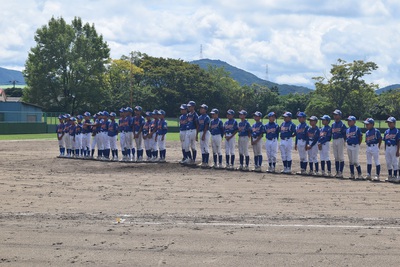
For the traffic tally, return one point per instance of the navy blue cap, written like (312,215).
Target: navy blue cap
(105,113)
(301,114)
(391,119)
(138,108)
(351,118)
(112,114)
(313,118)
(271,114)
(337,112)
(287,114)
(191,104)
(243,112)
(369,121)
(129,109)
(183,106)
(230,112)
(79,117)
(87,114)
(214,111)
(204,106)
(161,112)
(61,117)
(155,112)
(121,110)
(257,114)
(326,117)
(73,119)
(67,116)
(149,114)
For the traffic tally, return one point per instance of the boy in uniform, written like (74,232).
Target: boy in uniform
(230,130)
(339,137)
(271,144)
(244,130)
(392,144)
(138,122)
(146,134)
(204,125)
(312,147)
(182,131)
(325,136)
(78,137)
(60,135)
(287,132)
(257,132)
(301,142)
(71,134)
(162,130)
(86,134)
(217,131)
(113,136)
(353,140)
(153,136)
(373,139)
(121,128)
(67,139)
(192,129)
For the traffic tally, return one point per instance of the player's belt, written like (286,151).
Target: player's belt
(372,144)
(270,139)
(353,145)
(77,133)
(287,138)
(182,130)
(391,145)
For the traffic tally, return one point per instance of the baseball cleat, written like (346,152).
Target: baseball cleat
(368,177)
(317,174)
(360,177)
(240,168)
(246,168)
(376,178)
(301,172)
(352,176)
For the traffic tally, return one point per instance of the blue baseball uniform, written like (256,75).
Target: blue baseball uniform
(391,138)
(271,144)
(313,134)
(353,135)
(338,136)
(325,136)
(373,138)
(287,131)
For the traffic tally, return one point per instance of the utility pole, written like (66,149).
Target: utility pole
(130,80)
(13,82)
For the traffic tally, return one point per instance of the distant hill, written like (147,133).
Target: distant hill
(387,88)
(7,76)
(246,78)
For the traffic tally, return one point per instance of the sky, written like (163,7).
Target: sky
(294,39)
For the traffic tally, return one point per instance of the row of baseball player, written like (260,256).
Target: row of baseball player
(309,140)
(78,136)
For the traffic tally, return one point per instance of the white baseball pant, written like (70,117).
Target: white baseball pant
(154,143)
(99,141)
(243,145)
(78,142)
(147,143)
(286,147)
(301,148)
(392,162)
(190,140)
(338,149)
(182,136)
(313,154)
(113,142)
(139,141)
(122,137)
(61,142)
(271,146)
(161,143)
(67,140)
(94,141)
(128,140)
(230,145)
(257,148)
(324,152)
(216,144)
(373,152)
(86,141)
(204,145)
(352,153)
(106,140)
(71,141)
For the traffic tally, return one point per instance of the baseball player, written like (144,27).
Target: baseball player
(373,139)
(121,128)
(129,148)
(112,134)
(182,131)
(192,128)
(325,136)
(271,144)
(71,132)
(86,134)
(287,132)
(95,131)
(313,134)
(230,130)
(78,137)
(138,122)
(204,125)
(339,137)
(162,130)
(60,135)
(392,145)
(353,140)
(153,136)
(244,132)
(146,134)
(301,141)
(104,136)
(257,132)
(217,131)
(67,139)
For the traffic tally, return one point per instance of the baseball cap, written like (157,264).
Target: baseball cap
(105,113)
(183,106)
(161,112)
(112,114)
(67,116)
(121,110)
(257,114)
(301,114)
(230,112)
(351,118)
(148,114)
(337,112)
(214,111)
(73,119)
(61,117)
(129,109)
(79,117)
(100,113)
(191,104)
(313,118)
(287,114)
(87,114)
(138,108)
(155,112)
(369,121)
(326,117)
(271,114)
(391,119)
(204,106)
(243,112)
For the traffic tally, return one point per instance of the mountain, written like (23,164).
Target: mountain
(7,76)
(387,88)
(246,78)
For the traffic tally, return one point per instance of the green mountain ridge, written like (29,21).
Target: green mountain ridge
(8,76)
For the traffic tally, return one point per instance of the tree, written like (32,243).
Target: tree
(65,68)
(346,89)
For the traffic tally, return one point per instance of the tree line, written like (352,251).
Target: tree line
(70,70)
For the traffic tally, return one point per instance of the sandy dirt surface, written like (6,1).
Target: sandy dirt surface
(64,212)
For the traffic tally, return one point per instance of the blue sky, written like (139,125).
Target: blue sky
(297,39)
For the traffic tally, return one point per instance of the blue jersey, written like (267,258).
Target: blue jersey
(312,135)
(162,127)
(353,135)
(104,125)
(325,134)
(287,130)
(192,121)
(204,120)
(146,127)
(257,129)
(71,130)
(86,128)
(216,127)
(129,124)
(60,128)
(121,124)
(230,127)
(154,125)
(372,137)
(244,128)
(78,128)
(338,130)
(67,125)
(138,122)
(271,130)
(183,122)
(391,137)
(97,127)
(301,132)
(112,128)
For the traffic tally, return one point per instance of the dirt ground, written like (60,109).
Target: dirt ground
(64,212)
